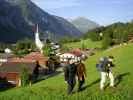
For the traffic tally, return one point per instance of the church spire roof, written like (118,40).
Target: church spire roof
(37,31)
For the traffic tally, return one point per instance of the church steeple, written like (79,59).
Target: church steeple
(37,29)
(38,42)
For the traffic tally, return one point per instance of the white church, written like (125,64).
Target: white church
(38,42)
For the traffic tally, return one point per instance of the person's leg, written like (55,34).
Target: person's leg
(79,85)
(69,88)
(71,85)
(103,79)
(111,79)
(82,82)
(74,82)
(83,79)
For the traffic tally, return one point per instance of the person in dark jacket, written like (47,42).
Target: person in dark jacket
(36,70)
(81,74)
(70,73)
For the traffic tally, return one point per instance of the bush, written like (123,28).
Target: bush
(21,53)
(24,47)
(94,36)
(83,46)
(106,42)
(25,44)
(46,49)
(24,77)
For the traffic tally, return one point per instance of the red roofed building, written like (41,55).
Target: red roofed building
(32,57)
(11,71)
(12,68)
(37,56)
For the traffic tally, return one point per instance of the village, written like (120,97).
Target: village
(66,50)
(12,66)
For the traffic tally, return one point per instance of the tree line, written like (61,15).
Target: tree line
(116,33)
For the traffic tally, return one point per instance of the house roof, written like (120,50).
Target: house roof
(32,57)
(37,56)
(17,67)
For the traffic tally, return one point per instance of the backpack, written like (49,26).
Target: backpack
(103,66)
(99,67)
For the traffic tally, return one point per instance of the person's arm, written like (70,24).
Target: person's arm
(111,64)
(66,73)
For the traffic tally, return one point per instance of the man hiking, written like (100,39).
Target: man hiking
(81,74)
(105,67)
(70,73)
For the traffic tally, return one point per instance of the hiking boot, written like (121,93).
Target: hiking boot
(112,87)
(101,89)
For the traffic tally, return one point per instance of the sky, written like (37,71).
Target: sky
(103,12)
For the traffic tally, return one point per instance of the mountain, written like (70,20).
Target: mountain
(12,24)
(19,17)
(83,24)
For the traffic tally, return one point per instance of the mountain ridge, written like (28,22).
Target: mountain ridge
(84,24)
(23,15)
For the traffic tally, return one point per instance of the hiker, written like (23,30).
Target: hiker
(36,70)
(81,74)
(51,64)
(105,68)
(70,73)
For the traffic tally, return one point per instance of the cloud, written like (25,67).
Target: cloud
(54,4)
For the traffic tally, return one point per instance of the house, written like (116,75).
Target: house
(8,51)
(37,56)
(32,57)
(12,68)
(11,71)
(4,57)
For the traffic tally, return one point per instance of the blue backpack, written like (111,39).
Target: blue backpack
(99,66)
(103,66)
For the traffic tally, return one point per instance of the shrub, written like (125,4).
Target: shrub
(106,42)
(24,47)
(24,77)
(83,46)
(46,49)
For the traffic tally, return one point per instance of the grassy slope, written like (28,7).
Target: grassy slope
(88,43)
(55,89)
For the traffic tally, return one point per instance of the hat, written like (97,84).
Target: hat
(101,59)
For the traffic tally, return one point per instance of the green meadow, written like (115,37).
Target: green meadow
(87,43)
(54,88)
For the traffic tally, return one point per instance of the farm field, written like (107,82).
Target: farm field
(87,43)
